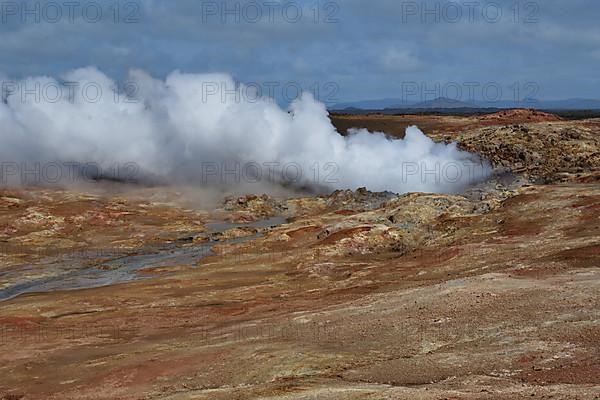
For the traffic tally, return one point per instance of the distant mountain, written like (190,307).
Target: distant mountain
(572,104)
(371,104)
(445,103)
(568,104)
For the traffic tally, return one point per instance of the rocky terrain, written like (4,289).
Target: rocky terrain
(546,152)
(438,126)
(490,294)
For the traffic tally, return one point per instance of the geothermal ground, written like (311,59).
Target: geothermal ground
(137,293)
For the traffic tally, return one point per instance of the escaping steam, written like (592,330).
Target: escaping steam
(177,131)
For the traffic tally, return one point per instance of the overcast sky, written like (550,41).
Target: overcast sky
(349,50)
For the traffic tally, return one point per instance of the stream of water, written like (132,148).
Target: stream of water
(73,276)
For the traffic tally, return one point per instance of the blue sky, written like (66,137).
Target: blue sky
(367,50)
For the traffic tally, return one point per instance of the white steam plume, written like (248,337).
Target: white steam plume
(175,131)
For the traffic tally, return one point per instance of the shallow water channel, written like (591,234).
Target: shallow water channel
(72,276)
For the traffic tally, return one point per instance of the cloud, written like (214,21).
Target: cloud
(173,130)
(394,60)
(173,35)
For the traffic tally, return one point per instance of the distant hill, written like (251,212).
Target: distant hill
(445,103)
(572,104)
(521,114)
(371,104)
(568,104)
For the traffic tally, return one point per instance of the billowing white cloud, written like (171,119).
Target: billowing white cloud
(193,128)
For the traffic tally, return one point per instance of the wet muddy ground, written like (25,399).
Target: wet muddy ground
(71,274)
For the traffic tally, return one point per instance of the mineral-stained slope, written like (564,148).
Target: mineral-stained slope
(544,151)
(489,295)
